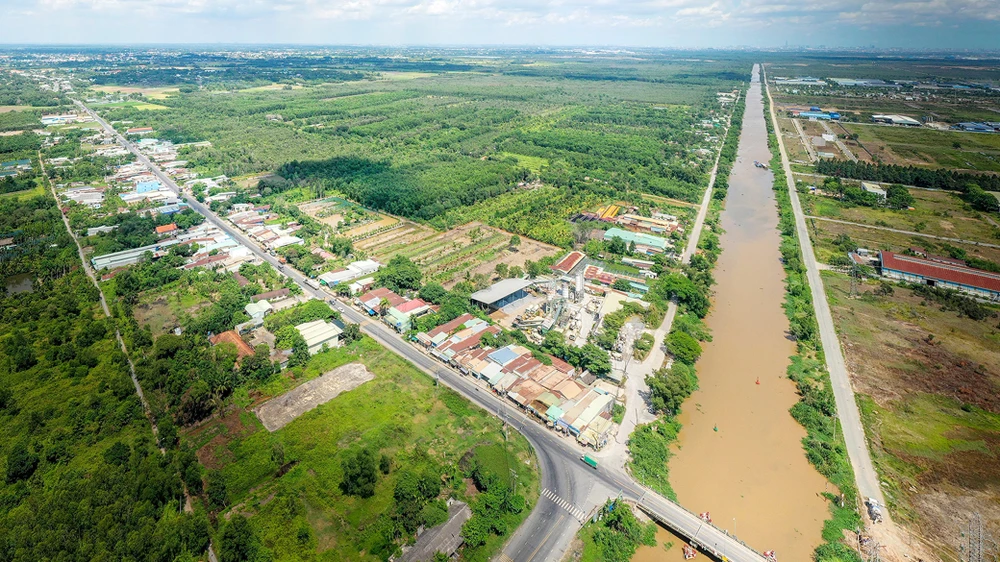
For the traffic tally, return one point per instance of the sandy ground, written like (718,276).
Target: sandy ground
(279,411)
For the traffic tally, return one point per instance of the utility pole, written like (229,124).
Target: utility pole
(977,544)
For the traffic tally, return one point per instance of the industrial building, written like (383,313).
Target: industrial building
(896,120)
(645,243)
(501,293)
(941,272)
(319,333)
(990,127)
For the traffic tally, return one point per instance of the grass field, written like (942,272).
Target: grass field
(936,213)
(824,232)
(133,105)
(151,93)
(931,148)
(401,413)
(928,384)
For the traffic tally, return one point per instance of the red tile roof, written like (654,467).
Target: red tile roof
(448,327)
(242,348)
(166,228)
(270,295)
(569,262)
(410,306)
(950,272)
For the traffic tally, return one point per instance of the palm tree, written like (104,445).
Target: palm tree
(383,306)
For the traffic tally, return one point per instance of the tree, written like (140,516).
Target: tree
(399,274)
(385,464)
(515,242)
(278,453)
(668,388)
(591,358)
(433,293)
(621,285)
(237,543)
(351,333)
(117,454)
(516,272)
(683,347)
(502,270)
(898,197)
(359,474)
(344,290)
(21,463)
(216,491)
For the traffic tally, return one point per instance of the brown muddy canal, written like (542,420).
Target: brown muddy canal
(739,454)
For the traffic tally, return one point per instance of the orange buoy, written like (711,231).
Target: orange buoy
(758,380)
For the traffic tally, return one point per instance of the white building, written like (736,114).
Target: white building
(319,333)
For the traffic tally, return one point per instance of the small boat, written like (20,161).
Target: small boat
(705,516)
(769,555)
(689,552)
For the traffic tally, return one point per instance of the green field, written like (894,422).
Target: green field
(401,414)
(932,148)
(926,379)
(936,213)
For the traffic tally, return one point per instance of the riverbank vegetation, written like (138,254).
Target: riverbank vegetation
(815,410)
(616,534)
(670,385)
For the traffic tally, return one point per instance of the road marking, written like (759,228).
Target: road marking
(504,558)
(554,526)
(572,509)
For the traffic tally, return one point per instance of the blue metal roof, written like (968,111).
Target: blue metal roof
(503,355)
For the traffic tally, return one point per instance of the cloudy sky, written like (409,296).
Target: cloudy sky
(973,24)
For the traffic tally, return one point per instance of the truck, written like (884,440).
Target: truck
(874,510)
(313,283)
(590,462)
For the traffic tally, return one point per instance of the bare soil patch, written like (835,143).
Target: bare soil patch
(281,410)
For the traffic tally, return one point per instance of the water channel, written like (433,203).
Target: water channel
(739,455)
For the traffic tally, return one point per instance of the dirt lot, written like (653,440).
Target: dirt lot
(928,384)
(281,410)
(446,257)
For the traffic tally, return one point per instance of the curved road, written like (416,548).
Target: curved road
(546,533)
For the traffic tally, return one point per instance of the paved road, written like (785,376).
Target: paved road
(636,389)
(840,144)
(908,232)
(847,409)
(550,527)
(805,140)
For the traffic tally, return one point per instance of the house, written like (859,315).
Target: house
(353,271)
(501,293)
(874,188)
(271,295)
(400,316)
(243,349)
(258,309)
(372,300)
(645,243)
(319,333)
(147,186)
(139,131)
(166,229)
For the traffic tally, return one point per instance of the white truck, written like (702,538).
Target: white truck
(874,510)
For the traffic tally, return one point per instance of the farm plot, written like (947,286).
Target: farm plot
(448,257)
(341,214)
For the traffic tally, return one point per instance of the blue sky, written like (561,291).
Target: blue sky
(972,24)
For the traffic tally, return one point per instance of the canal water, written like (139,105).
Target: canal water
(20,283)
(739,455)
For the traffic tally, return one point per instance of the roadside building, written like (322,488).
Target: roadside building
(645,243)
(401,316)
(941,272)
(277,294)
(166,229)
(139,131)
(501,293)
(874,188)
(353,271)
(319,333)
(974,127)
(372,300)
(258,310)
(651,224)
